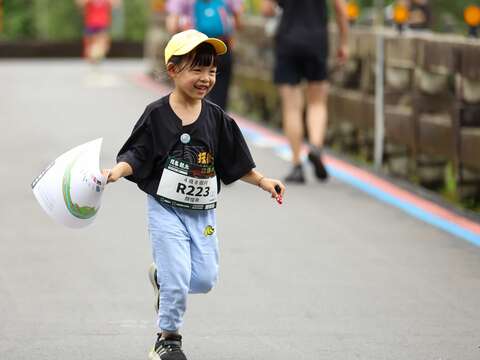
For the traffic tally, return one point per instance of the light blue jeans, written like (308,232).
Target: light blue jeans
(185,252)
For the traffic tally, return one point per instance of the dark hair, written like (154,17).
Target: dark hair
(203,55)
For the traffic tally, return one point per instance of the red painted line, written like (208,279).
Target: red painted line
(400,193)
(426,205)
(150,84)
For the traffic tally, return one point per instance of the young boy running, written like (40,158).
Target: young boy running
(178,152)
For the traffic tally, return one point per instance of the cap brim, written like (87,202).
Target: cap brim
(218,45)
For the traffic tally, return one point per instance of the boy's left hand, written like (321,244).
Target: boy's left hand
(269,186)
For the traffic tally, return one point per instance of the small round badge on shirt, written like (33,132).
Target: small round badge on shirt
(185,138)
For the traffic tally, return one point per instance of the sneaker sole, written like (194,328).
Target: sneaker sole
(153,280)
(152,355)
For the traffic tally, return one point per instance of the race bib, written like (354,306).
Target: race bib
(187,185)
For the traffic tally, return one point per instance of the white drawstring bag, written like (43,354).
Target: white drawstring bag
(70,189)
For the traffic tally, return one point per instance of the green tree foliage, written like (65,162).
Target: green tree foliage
(448,13)
(18,18)
(55,19)
(136,14)
(62,19)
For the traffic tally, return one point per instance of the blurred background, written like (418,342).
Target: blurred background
(430,125)
(61,20)
(359,278)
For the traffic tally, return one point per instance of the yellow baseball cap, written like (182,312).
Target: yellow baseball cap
(185,41)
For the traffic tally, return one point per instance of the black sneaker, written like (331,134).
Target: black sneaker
(152,275)
(167,349)
(295,175)
(315,158)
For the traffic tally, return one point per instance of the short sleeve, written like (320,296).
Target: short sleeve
(233,159)
(138,149)
(178,7)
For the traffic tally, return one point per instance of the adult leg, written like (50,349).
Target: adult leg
(99,46)
(105,41)
(87,43)
(317,93)
(292,111)
(287,75)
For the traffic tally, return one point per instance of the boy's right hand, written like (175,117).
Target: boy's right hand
(120,170)
(111,175)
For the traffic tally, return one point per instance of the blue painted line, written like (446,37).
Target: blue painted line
(409,208)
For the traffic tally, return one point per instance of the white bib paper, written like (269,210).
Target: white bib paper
(188,185)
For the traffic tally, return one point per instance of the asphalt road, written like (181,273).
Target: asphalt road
(332,274)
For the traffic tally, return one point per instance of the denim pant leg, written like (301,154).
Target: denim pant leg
(204,251)
(171,253)
(185,252)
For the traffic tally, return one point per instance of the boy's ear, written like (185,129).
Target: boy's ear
(171,69)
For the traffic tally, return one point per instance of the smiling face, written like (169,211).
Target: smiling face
(195,82)
(194,74)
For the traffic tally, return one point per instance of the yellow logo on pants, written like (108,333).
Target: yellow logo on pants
(209,230)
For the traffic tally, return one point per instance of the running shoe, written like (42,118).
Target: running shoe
(167,349)
(152,275)
(295,175)
(315,157)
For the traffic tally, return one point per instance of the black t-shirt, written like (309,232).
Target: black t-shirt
(303,28)
(214,138)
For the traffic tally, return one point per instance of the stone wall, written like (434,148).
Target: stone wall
(432,99)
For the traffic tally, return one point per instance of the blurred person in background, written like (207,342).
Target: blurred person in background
(215,18)
(420,15)
(301,53)
(97,16)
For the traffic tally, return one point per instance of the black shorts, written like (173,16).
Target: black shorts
(292,69)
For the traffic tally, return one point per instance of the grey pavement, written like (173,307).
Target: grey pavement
(331,274)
